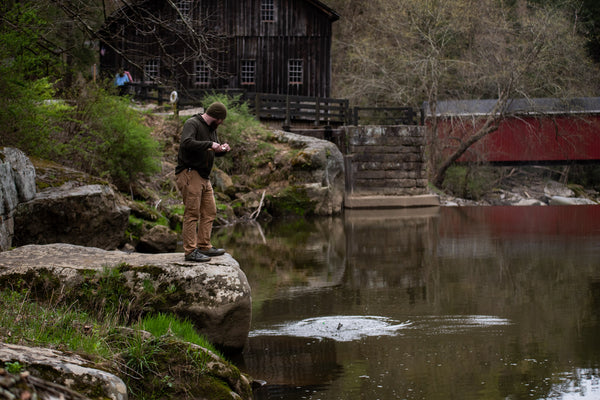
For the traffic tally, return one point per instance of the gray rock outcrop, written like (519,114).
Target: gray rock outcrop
(90,215)
(214,296)
(318,168)
(66,371)
(570,201)
(53,374)
(17,184)
(159,239)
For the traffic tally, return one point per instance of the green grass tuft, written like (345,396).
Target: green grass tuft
(163,324)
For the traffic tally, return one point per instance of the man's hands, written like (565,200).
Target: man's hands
(220,148)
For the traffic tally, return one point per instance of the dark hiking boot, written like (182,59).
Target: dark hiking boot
(196,256)
(212,252)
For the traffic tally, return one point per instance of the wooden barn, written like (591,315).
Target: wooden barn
(263,46)
(536,131)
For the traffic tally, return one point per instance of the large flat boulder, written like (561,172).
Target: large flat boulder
(214,296)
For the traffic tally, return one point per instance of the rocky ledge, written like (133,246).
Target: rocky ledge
(67,367)
(214,296)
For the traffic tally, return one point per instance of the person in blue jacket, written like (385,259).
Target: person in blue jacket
(121,81)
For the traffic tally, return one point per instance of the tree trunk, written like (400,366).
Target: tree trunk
(491,125)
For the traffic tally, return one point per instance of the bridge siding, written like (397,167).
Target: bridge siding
(552,138)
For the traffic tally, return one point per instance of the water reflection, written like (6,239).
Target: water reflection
(494,303)
(290,360)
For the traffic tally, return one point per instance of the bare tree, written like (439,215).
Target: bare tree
(418,51)
(146,28)
(529,52)
(190,31)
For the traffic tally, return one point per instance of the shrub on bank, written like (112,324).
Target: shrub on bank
(108,138)
(94,132)
(160,356)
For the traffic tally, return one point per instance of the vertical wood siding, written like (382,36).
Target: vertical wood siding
(300,31)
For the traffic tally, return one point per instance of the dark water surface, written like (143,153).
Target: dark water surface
(440,303)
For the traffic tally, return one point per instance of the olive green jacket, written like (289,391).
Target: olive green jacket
(195,149)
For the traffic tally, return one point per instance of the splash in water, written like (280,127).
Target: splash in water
(342,328)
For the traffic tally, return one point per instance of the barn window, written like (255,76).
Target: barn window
(201,73)
(151,70)
(185,8)
(248,72)
(267,11)
(295,72)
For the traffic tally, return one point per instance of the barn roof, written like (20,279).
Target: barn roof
(325,9)
(579,105)
(331,14)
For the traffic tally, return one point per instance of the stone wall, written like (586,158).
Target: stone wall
(385,160)
(17,185)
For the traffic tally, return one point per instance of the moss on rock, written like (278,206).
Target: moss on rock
(293,200)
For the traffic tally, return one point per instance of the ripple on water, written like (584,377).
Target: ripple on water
(447,324)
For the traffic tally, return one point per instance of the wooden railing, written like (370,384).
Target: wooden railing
(385,116)
(318,111)
(149,91)
(162,94)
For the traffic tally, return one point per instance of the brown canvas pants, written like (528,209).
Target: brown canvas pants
(200,210)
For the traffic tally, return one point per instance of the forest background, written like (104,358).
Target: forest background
(385,53)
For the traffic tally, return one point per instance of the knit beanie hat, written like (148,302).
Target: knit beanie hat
(217,110)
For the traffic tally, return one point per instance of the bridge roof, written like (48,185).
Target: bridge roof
(580,105)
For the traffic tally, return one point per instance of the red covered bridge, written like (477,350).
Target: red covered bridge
(542,130)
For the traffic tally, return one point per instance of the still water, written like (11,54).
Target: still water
(436,303)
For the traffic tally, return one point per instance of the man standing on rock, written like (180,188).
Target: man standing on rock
(198,148)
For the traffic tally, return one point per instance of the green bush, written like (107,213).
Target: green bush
(470,182)
(95,132)
(109,139)
(88,129)
(28,115)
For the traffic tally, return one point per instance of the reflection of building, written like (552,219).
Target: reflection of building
(390,248)
(266,46)
(290,361)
